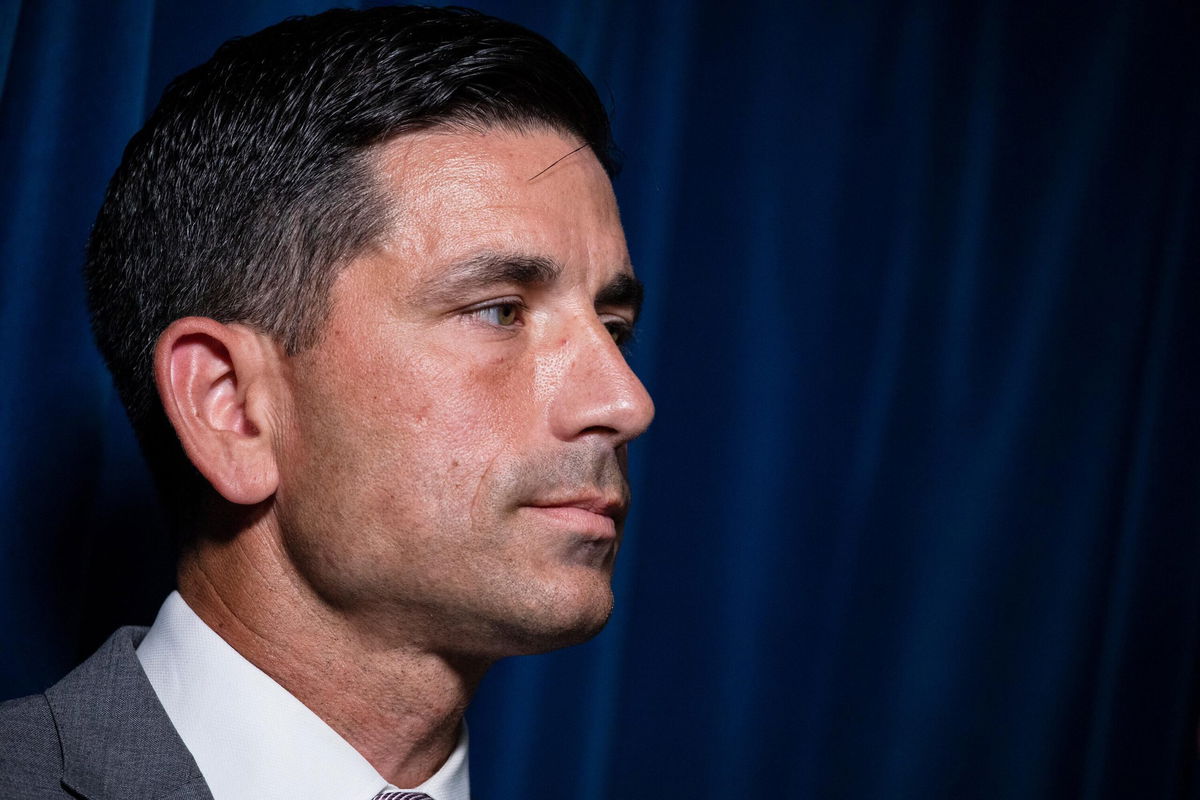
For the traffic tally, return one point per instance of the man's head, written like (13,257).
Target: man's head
(372,266)
(252,183)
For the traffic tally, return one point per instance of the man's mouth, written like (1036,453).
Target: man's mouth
(594,515)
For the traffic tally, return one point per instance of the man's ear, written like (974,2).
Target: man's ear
(218,384)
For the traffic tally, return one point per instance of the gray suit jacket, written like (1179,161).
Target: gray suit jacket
(99,733)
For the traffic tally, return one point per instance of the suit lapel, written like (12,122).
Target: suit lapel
(117,740)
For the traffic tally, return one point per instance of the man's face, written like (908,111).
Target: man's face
(453,460)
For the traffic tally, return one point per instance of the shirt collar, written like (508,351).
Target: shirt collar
(250,737)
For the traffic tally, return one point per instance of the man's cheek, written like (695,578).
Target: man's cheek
(508,389)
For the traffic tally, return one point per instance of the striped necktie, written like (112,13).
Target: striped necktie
(386,795)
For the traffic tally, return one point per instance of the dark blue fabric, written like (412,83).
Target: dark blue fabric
(920,513)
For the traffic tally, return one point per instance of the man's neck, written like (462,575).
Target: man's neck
(398,705)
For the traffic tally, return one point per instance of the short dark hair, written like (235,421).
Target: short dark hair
(251,183)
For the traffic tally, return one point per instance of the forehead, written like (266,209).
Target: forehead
(451,192)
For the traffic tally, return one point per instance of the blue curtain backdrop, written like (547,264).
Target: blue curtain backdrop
(920,514)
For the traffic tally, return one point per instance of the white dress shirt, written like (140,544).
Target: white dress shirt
(250,737)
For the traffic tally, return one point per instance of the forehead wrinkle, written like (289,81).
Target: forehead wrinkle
(556,162)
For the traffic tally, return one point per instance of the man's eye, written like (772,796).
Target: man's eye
(621,332)
(502,315)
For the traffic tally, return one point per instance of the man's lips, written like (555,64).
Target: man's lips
(594,516)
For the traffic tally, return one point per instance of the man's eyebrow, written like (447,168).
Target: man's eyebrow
(489,269)
(622,290)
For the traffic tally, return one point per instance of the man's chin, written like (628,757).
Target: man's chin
(551,626)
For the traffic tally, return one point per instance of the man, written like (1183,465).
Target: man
(362,286)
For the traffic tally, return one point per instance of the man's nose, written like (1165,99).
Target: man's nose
(598,393)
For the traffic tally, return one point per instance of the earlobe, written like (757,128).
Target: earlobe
(216,383)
